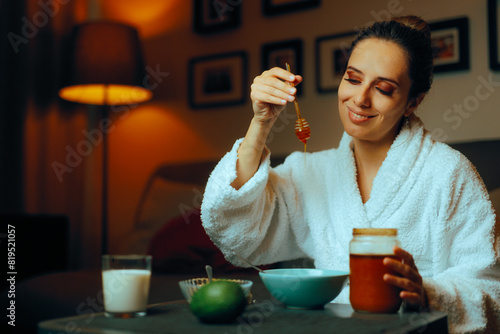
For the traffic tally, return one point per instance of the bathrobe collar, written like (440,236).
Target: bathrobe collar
(395,178)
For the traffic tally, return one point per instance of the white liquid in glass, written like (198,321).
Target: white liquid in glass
(125,290)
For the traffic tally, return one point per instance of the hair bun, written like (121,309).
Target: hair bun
(414,22)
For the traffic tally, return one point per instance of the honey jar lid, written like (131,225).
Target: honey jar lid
(375,231)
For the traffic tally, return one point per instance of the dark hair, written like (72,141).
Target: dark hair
(413,35)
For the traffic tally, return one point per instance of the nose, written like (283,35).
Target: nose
(362,97)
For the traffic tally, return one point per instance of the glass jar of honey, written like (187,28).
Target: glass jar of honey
(367,288)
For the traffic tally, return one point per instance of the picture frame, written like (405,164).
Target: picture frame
(494,33)
(218,80)
(216,16)
(450,43)
(278,53)
(331,60)
(278,7)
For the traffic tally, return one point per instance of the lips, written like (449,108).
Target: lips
(359,117)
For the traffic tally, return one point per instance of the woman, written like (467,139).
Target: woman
(386,172)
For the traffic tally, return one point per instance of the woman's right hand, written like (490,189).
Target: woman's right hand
(271,91)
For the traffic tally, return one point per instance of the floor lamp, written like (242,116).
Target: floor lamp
(105,68)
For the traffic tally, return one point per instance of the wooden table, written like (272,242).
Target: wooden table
(265,317)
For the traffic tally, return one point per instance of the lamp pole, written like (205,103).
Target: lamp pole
(105,145)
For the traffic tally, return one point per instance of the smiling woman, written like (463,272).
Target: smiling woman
(389,71)
(387,173)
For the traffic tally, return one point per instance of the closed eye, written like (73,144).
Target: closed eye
(384,92)
(353,81)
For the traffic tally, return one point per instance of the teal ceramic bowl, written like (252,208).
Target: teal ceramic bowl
(302,288)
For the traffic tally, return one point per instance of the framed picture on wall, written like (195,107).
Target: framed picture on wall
(494,33)
(218,80)
(215,16)
(450,43)
(277,7)
(331,60)
(277,54)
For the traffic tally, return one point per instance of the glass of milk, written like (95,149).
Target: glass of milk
(125,281)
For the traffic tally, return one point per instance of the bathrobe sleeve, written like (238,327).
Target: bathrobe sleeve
(254,221)
(467,283)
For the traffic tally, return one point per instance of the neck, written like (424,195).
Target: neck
(368,157)
(374,152)
(370,154)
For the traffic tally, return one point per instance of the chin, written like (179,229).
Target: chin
(353,130)
(359,134)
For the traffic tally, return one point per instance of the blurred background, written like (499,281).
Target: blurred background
(39,130)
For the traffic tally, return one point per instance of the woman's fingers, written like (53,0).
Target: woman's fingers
(403,269)
(279,79)
(405,256)
(411,292)
(411,297)
(272,90)
(282,74)
(409,279)
(268,92)
(259,96)
(274,84)
(403,283)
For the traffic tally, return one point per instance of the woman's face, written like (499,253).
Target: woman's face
(373,94)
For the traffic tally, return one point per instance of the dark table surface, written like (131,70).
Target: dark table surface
(264,317)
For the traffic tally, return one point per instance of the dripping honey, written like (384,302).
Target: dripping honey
(302,132)
(302,129)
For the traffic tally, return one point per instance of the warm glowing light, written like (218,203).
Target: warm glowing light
(152,17)
(101,94)
(169,137)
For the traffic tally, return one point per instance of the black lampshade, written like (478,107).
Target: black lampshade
(104,65)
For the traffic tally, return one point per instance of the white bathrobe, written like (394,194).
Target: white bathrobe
(308,206)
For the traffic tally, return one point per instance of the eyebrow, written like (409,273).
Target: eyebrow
(380,78)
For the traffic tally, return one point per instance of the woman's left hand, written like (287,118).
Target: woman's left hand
(410,281)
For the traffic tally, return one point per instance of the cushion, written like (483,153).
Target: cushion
(163,200)
(182,246)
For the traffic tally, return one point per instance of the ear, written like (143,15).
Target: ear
(413,104)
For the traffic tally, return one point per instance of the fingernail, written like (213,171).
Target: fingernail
(292,90)
(290,98)
(292,77)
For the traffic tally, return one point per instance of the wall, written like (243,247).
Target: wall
(166,130)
